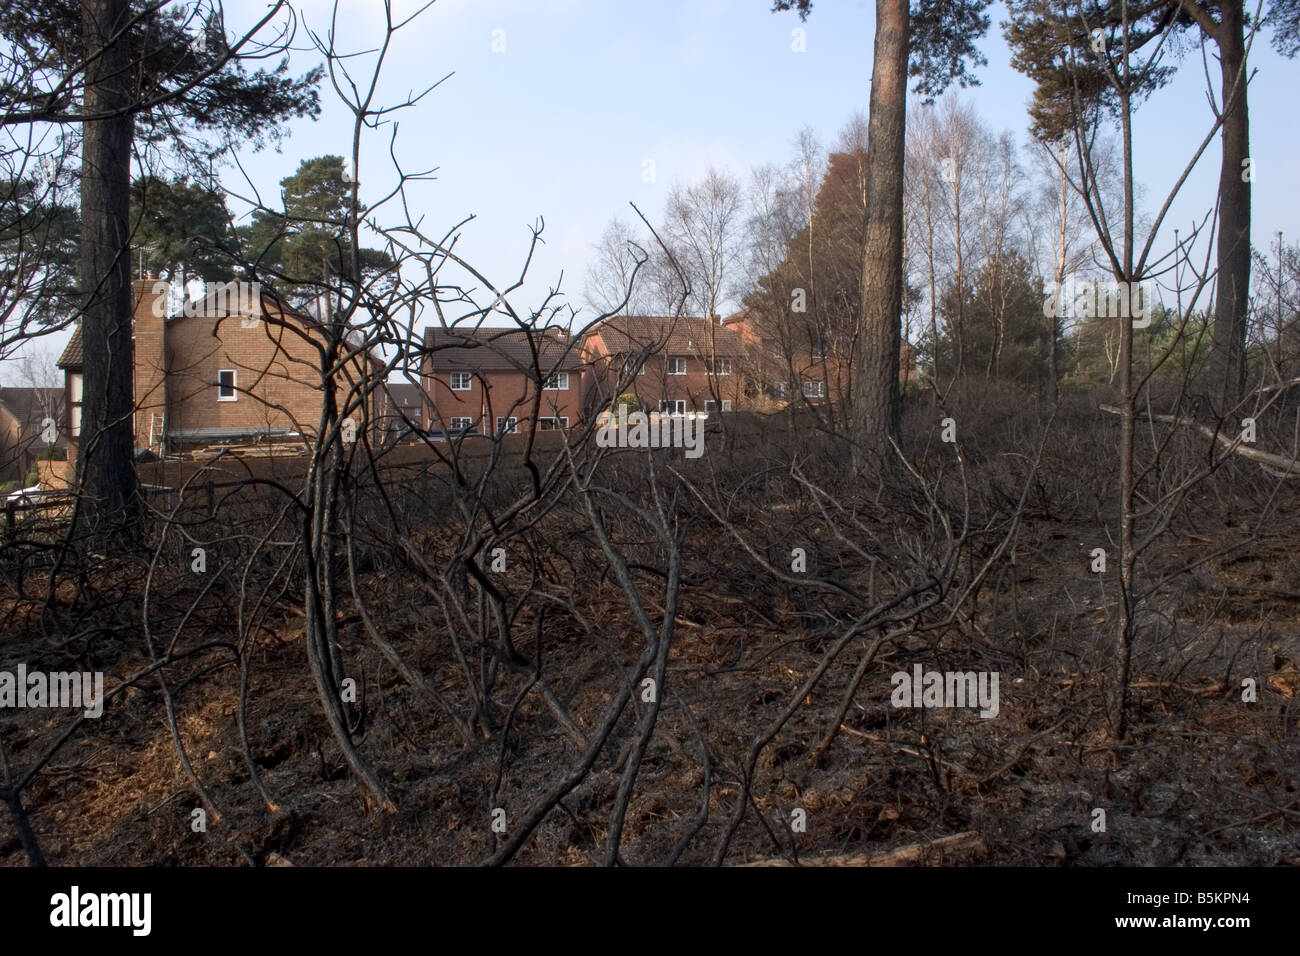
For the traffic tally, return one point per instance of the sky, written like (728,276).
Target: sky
(553,108)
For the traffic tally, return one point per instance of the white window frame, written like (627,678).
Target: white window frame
(710,403)
(511,424)
(466,377)
(818,389)
(672,363)
(678,406)
(627,367)
(561,422)
(553,382)
(720,366)
(75,420)
(460,423)
(234,385)
(75,383)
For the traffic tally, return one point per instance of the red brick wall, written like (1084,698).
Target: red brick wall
(277,376)
(150,361)
(655,384)
(500,394)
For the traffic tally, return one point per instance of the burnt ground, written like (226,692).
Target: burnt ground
(1202,777)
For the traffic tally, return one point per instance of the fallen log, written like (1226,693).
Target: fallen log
(949,849)
(1276,465)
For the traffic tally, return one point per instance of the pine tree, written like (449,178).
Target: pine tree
(933,42)
(132,73)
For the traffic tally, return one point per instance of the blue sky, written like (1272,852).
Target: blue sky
(560,124)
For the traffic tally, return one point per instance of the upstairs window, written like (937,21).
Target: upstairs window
(461,381)
(721,366)
(677,365)
(559,382)
(672,406)
(814,389)
(226,388)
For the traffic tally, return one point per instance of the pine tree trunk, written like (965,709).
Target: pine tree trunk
(877,402)
(105,461)
(1229,356)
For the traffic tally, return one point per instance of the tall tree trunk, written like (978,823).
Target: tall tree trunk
(877,401)
(107,469)
(1054,329)
(1118,698)
(1229,356)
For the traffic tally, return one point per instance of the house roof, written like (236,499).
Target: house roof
(405,395)
(486,349)
(72,359)
(681,335)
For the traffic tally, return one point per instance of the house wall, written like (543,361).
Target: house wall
(72,399)
(148,342)
(277,376)
(177,362)
(12,458)
(654,384)
(499,394)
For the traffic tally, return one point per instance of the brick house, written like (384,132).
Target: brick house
(224,369)
(796,368)
(404,412)
(488,379)
(24,413)
(672,365)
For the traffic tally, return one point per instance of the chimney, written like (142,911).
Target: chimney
(149,336)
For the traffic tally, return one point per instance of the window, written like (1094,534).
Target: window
(74,386)
(720,366)
(507,426)
(677,365)
(712,406)
(458,423)
(226,385)
(778,390)
(461,381)
(629,365)
(672,406)
(814,389)
(552,424)
(558,382)
(76,421)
